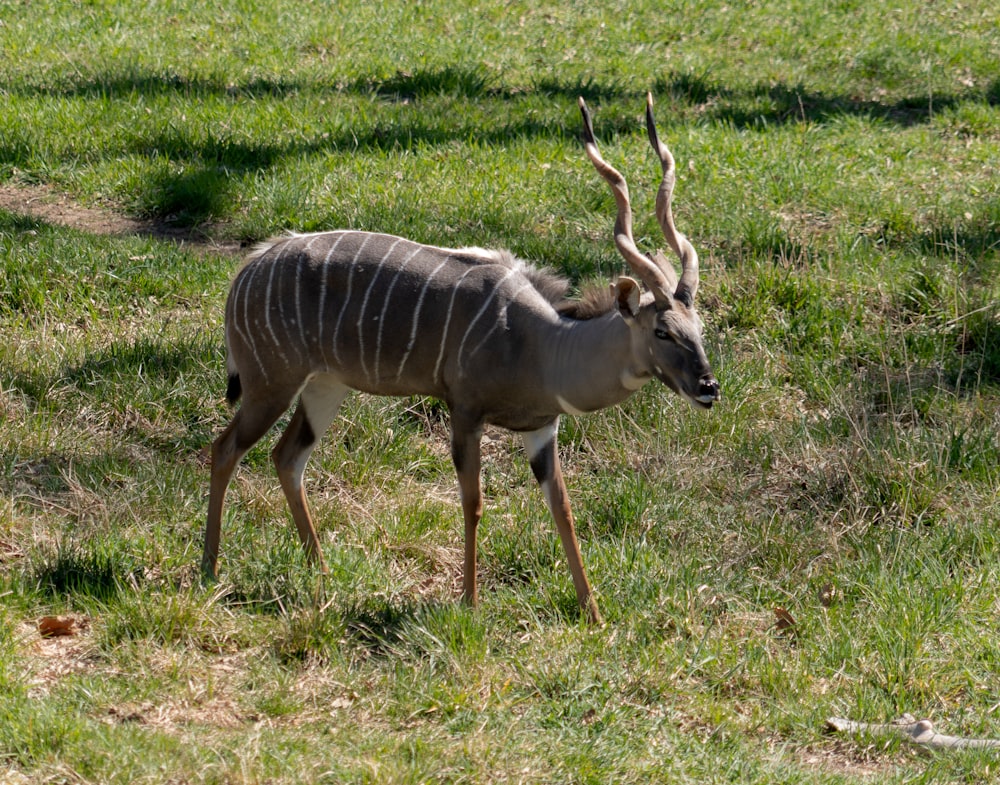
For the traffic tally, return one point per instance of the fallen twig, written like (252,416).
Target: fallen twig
(912,730)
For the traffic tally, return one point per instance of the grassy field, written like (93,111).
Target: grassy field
(840,175)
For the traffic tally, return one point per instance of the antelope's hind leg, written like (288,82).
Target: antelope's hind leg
(254,418)
(320,400)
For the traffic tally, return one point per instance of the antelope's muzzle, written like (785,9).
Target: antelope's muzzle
(708,391)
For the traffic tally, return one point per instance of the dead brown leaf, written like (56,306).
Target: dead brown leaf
(785,620)
(54,626)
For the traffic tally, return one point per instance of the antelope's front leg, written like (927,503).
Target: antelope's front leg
(465,453)
(543,456)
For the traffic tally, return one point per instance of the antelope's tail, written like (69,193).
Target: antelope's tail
(233,389)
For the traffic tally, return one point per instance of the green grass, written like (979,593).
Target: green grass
(838,174)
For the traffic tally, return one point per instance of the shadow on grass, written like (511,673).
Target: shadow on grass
(194,196)
(91,569)
(789,102)
(164,360)
(378,625)
(141,82)
(199,190)
(152,372)
(18,222)
(134,379)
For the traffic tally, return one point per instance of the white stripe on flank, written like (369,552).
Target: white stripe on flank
(298,303)
(500,323)
(246,283)
(364,307)
(447,321)
(301,349)
(482,310)
(385,308)
(322,298)
(291,321)
(232,323)
(267,305)
(347,296)
(416,317)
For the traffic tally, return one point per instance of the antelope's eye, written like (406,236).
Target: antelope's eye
(663,335)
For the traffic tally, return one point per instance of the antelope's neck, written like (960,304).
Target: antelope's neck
(590,365)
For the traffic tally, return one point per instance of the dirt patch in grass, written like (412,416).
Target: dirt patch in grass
(843,760)
(53,658)
(44,203)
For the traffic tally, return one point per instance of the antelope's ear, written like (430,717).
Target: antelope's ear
(627,294)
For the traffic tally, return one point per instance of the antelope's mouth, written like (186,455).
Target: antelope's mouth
(708,392)
(703,401)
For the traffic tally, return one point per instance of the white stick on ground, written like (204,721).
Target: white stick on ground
(912,730)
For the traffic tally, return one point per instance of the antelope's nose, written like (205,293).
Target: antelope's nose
(708,390)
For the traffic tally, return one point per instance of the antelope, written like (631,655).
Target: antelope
(315,316)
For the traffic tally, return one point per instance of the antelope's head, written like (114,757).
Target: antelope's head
(666,331)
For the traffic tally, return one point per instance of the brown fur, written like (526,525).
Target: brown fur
(595,299)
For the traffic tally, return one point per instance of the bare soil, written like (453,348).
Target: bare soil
(45,203)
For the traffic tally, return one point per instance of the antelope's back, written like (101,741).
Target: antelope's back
(382,313)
